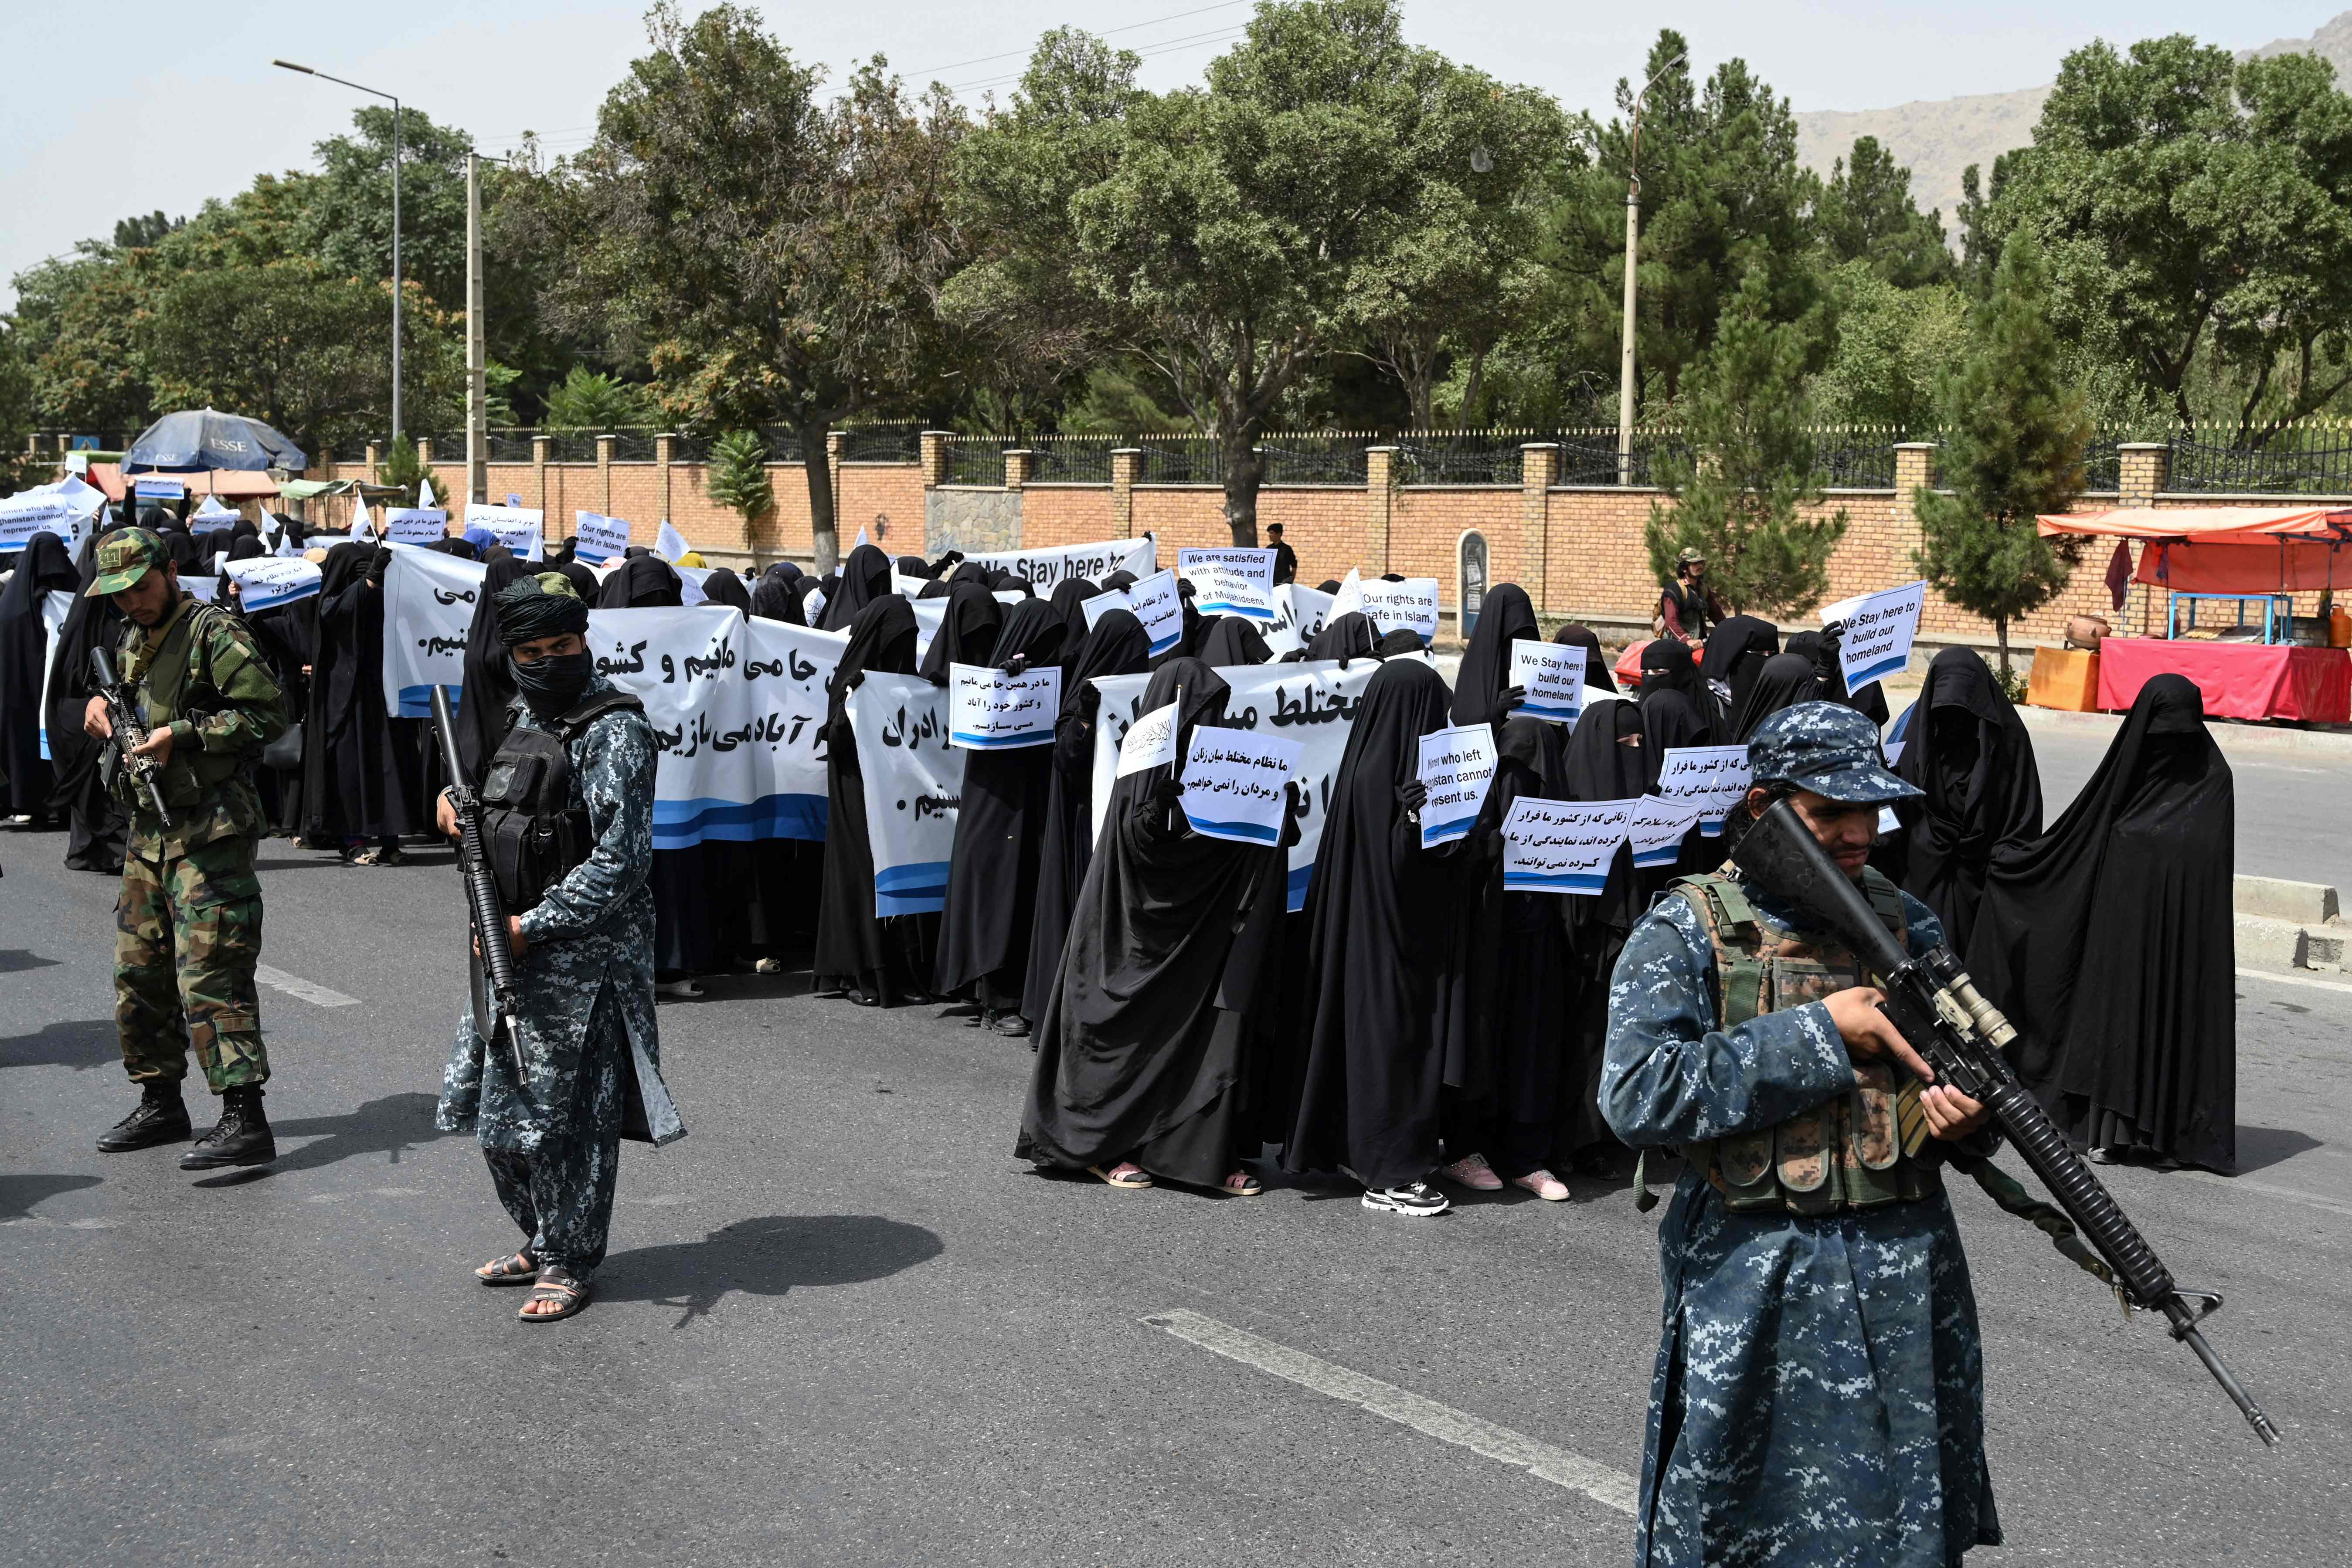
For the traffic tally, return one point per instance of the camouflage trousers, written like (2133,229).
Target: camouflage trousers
(187,935)
(561,1194)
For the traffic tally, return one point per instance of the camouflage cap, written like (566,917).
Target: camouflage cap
(1690,557)
(1828,749)
(125,556)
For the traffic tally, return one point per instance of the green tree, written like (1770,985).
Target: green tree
(591,400)
(774,258)
(2012,451)
(401,469)
(1866,214)
(738,476)
(141,230)
(2194,207)
(1740,493)
(1894,345)
(17,413)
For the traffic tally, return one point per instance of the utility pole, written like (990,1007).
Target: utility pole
(1633,261)
(477,457)
(374,92)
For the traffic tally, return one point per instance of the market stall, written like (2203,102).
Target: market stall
(2225,577)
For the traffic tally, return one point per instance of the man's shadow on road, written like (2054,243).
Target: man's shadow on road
(390,1127)
(766,1258)
(80,1043)
(20,1194)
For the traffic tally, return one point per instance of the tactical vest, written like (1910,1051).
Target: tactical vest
(532,832)
(173,686)
(1857,1150)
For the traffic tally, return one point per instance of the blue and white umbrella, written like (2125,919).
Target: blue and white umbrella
(204,438)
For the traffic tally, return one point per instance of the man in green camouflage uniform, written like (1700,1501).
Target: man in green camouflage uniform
(188,924)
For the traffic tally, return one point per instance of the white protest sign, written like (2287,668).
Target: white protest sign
(266,582)
(1043,569)
(686,667)
(1561,846)
(1889,822)
(785,670)
(1410,606)
(1102,604)
(158,489)
(1158,603)
(363,530)
(429,606)
(210,515)
(813,607)
(861,539)
(992,710)
(514,501)
(691,580)
(1234,783)
(1458,764)
(1230,581)
(602,539)
(930,614)
(1299,615)
(22,516)
(1312,704)
(669,543)
(424,496)
(1656,829)
(1553,674)
(522,529)
(913,782)
(1150,742)
(55,605)
(414,524)
(1879,629)
(1714,779)
(907,587)
(205,588)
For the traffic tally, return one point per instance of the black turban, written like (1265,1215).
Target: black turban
(528,612)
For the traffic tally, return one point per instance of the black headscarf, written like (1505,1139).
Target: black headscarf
(42,567)
(1736,651)
(1343,637)
(1380,993)
(642,583)
(1231,640)
(246,546)
(461,548)
(74,755)
(489,685)
(854,947)
(1668,665)
(772,599)
(1972,755)
(724,587)
(1505,618)
(1143,1052)
(865,578)
(1068,595)
(583,582)
(909,566)
(967,633)
(1596,663)
(359,776)
(2132,887)
(1784,680)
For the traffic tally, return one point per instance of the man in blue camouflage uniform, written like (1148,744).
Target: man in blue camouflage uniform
(1818,1398)
(587,1038)
(188,921)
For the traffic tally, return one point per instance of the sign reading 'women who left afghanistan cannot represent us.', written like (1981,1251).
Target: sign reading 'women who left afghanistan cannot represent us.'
(1235,784)
(995,710)
(1563,846)
(1458,764)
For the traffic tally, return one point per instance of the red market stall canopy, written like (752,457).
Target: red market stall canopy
(2225,549)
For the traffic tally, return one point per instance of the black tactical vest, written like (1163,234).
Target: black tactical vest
(532,831)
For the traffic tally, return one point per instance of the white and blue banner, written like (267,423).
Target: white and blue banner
(1043,570)
(1458,766)
(1711,780)
(158,489)
(991,709)
(522,529)
(211,517)
(1313,704)
(414,524)
(1234,784)
(55,606)
(1230,581)
(1561,846)
(1656,827)
(1552,676)
(602,539)
(266,582)
(1299,615)
(914,788)
(1879,629)
(429,606)
(39,512)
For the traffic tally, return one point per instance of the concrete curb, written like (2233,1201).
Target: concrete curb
(2234,737)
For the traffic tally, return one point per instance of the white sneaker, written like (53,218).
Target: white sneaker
(1544,1185)
(1417,1197)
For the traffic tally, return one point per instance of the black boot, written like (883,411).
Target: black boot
(162,1118)
(242,1138)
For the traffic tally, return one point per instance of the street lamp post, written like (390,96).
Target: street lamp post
(1632,261)
(307,71)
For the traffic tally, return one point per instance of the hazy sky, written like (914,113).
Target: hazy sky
(157,107)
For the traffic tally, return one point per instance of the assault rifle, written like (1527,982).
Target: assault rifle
(122,718)
(1933,1004)
(491,971)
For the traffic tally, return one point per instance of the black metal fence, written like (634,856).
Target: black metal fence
(1180,460)
(972,460)
(1469,457)
(1333,457)
(1846,458)
(1070,459)
(2302,460)
(882,443)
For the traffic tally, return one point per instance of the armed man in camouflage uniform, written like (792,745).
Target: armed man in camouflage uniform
(1818,1397)
(188,923)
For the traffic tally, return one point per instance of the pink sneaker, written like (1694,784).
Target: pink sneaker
(1473,1172)
(1544,1185)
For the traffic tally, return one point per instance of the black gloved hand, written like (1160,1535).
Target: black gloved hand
(851,681)
(1018,666)
(1513,699)
(1168,791)
(1411,797)
(1089,701)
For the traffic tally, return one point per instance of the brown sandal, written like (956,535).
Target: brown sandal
(517,1270)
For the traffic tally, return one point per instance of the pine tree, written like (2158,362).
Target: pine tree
(401,470)
(1751,465)
(2012,451)
(738,476)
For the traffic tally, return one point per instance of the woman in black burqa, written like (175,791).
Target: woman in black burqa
(1967,748)
(1379,984)
(641,582)
(865,578)
(1596,663)
(872,960)
(2108,942)
(1503,1093)
(95,825)
(1607,758)
(1736,651)
(1117,646)
(967,629)
(1232,640)
(1150,1055)
(42,567)
(489,688)
(358,776)
(991,898)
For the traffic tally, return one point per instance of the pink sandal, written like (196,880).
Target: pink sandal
(1241,1184)
(1125,1174)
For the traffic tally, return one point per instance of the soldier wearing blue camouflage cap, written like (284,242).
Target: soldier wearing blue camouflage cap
(1818,1396)
(188,921)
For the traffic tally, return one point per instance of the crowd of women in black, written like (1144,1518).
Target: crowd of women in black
(1414,1023)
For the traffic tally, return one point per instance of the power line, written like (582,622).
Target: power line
(1170,48)
(1106,32)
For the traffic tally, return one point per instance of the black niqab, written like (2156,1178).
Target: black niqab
(360,773)
(2132,887)
(641,582)
(1232,640)
(489,688)
(772,599)
(1485,675)
(1784,680)
(865,578)
(880,955)
(1344,638)
(968,631)
(1596,663)
(724,587)
(1735,652)
(42,567)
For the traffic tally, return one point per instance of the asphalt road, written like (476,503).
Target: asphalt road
(842,1325)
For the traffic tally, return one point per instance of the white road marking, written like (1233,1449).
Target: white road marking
(1601,1483)
(295,985)
(2315,984)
